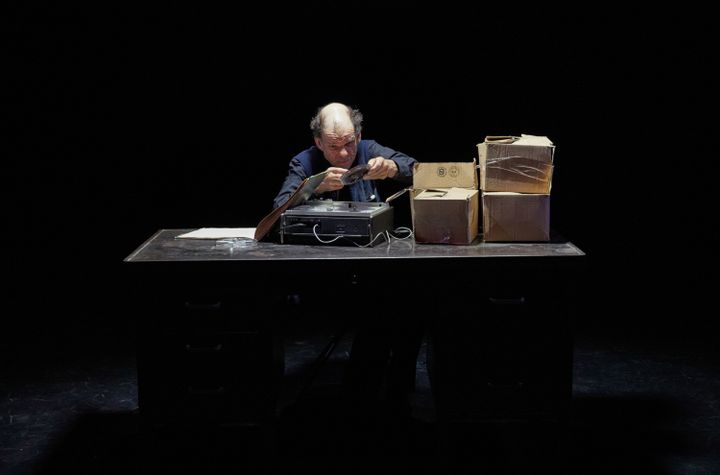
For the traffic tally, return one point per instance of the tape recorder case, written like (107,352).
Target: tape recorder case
(337,223)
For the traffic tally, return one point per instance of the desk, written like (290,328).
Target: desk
(208,349)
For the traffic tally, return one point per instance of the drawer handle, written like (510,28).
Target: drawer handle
(206,391)
(203,306)
(508,301)
(204,349)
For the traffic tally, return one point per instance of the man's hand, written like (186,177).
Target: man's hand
(332,180)
(380,168)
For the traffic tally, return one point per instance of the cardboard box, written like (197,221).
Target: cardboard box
(520,164)
(445,202)
(511,216)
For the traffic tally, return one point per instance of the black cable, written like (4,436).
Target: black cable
(316,365)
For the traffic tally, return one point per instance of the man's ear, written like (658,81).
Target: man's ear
(359,137)
(318,143)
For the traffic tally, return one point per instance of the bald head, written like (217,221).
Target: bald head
(336,119)
(336,129)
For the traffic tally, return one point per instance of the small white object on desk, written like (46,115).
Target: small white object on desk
(219,233)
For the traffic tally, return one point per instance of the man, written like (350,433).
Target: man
(387,337)
(338,147)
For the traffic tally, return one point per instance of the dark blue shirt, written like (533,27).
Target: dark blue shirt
(311,161)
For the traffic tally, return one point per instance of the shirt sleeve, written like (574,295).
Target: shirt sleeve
(296,175)
(405,163)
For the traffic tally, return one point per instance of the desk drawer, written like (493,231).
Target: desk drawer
(511,356)
(209,376)
(211,311)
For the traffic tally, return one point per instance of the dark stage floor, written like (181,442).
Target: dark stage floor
(640,405)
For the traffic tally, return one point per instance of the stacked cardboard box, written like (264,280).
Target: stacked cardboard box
(515,179)
(444,202)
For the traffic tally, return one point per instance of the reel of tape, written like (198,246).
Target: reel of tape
(354,175)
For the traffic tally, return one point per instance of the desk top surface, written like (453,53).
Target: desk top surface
(163,246)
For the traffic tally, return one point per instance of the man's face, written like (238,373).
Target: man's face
(339,148)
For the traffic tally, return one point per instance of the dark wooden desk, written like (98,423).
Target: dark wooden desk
(498,320)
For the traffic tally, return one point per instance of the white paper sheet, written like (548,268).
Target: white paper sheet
(219,233)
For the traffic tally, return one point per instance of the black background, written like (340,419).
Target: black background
(123,119)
